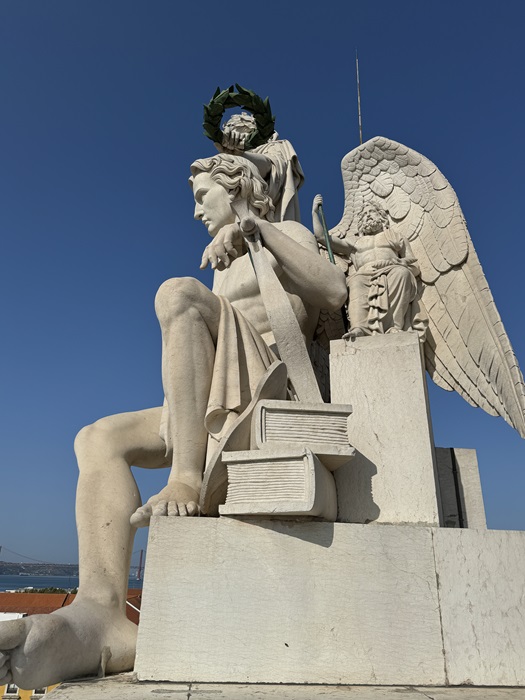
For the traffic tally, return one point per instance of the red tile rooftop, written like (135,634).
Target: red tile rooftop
(41,603)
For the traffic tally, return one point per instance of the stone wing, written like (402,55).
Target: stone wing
(466,349)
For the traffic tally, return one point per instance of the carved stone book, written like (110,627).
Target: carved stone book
(279,482)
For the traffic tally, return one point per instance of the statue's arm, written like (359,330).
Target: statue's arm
(341,246)
(406,254)
(261,162)
(315,280)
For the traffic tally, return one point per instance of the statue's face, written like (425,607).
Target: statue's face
(370,221)
(212,203)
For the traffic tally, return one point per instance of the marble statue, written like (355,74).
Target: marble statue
(426,243)
(216,346)
(410,267)
(276,160)
(382,283)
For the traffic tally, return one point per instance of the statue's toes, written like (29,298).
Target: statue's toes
(160,508)
(173,508)
(192,508)
(141,517)
(8,677)
(4,669)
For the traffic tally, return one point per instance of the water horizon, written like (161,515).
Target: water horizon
(16,582)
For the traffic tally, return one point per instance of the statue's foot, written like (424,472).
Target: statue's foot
(41,650)
(394,330)
(355,333)
(176,498)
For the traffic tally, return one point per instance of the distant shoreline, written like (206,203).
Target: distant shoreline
(15,569)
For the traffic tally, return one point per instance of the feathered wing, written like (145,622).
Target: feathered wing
(466,349)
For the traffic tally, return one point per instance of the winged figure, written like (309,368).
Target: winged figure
(424,275)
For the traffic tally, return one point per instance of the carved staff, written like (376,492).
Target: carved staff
(283,321)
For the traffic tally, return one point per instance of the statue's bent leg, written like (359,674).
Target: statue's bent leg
(402,291)
(107,495)
(189,315)
(358,307)
(44,649)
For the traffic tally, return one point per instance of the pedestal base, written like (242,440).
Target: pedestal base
(230,601)
(392,477)
(126,687)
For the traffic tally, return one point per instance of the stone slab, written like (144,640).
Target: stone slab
(392,477)
(460,488)
(126,687)
(482,594)
(263,602)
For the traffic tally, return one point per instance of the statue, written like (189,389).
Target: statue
(276,160)
(216,346)
(254,137)
(383,281)
(466,347)
(410,260)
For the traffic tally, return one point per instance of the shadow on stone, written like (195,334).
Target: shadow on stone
(355,502)
(313,531)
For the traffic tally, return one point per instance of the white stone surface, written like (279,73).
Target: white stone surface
(267,601)
(277,482)
(470,493)
(391,479)
(482,594)
(461,498)
(126,687)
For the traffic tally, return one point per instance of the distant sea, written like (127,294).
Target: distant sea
(10,583)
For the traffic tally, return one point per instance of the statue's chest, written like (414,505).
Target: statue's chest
(238,281)
(363,244)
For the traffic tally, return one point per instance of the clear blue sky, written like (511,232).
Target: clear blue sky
(100,118)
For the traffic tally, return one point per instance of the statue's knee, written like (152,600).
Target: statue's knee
(177,295)
(96,438)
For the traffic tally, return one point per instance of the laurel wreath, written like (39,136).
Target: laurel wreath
(225,99)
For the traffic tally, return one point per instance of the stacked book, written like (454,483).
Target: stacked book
(296,446)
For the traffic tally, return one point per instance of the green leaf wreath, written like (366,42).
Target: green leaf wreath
(225,99)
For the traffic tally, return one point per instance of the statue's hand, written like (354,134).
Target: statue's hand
(233,142)
(318,202)
(223,250)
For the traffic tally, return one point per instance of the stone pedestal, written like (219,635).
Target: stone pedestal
(392,477)
(231,601)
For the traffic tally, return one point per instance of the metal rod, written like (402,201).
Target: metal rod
(358,99)
(328,245)
(327,242)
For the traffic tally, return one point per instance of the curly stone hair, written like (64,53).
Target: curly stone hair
(239,175)
(378,208)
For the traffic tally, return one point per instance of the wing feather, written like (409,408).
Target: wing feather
(467,349)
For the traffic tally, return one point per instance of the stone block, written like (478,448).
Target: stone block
(482,593)
(126,687)
(460,488)
(266,601)
(392,477)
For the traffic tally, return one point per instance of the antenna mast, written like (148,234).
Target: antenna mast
(358,99)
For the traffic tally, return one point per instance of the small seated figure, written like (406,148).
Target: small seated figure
(382,277)
(276,161)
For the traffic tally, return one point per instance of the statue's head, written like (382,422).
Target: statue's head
(219,181)
(372,219)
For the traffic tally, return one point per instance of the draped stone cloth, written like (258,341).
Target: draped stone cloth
(286,177)
(241,359)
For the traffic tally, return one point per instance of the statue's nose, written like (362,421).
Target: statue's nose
(197,214)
